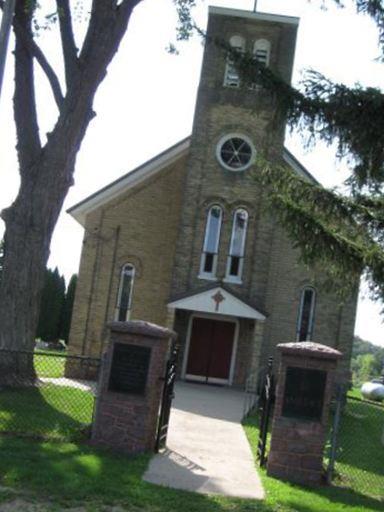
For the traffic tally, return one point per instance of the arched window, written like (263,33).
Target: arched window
(124,298)
(306,314)
(235,259)
(231,77)
(261,51)
(211,242)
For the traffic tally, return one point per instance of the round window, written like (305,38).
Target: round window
(235,152)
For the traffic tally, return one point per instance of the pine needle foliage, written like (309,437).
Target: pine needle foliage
(342,235)
(319,109)
(323,110)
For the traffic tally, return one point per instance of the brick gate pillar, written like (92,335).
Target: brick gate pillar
(130,386)
(300,422)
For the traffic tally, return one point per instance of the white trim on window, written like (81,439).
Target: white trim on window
(124,296)
(235,260)
(262,51)
(245,155)
(208,262)
(306,322)
(231,75)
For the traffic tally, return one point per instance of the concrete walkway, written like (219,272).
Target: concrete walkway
(207,450)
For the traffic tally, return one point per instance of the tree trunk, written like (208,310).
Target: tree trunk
(46,172)
(29,227)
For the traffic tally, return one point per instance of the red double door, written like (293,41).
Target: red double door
(210,350)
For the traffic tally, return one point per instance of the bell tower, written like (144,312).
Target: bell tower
(233,122)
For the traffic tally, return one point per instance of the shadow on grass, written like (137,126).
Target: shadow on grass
(302,499)
(328,498)
(49,411)
(70,473)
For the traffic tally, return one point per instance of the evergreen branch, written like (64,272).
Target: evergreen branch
(349,212)
(372,8)
(67,39)
(327,233)
(326,110)
(317,240)
(321,246)
(329,111)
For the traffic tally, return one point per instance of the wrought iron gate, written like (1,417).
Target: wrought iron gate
(265,408)
(166,401)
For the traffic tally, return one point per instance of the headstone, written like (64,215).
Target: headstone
(300,421)
(130,386)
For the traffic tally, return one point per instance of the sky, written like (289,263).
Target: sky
(146,104)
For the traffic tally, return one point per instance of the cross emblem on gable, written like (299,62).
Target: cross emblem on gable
(218,298)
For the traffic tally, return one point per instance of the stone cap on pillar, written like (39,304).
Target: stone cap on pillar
(142,328)
(309,349)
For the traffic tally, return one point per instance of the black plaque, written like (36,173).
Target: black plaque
(129,369)
(304,393)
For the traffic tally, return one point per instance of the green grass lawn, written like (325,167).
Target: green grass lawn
(290,497)
(70,473)
(73,473)
(360,463)
(355,393)
(51,411)
(49,363)
(47,410)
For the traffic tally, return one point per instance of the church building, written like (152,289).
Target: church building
(186,240)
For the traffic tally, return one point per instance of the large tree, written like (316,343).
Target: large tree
(46,168)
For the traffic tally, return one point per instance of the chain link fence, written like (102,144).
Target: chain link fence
(357,446)
(38,399)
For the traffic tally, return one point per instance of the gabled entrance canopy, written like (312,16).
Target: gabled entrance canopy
(219,301)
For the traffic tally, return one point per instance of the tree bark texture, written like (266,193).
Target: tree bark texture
(46,172)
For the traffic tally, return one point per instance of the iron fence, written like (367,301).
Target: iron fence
(357,446)
(46,394)
(267,397)
(251,395)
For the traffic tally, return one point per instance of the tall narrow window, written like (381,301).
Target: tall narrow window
(261,51)
(211,242)
(306,314)
(124,298)
(231,77)
(236,250)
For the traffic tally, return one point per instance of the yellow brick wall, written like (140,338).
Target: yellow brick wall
(138,227)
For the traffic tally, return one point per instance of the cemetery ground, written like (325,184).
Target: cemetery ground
(52,468)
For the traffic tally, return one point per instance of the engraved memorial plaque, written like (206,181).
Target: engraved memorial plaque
(304,393)
(129,369)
